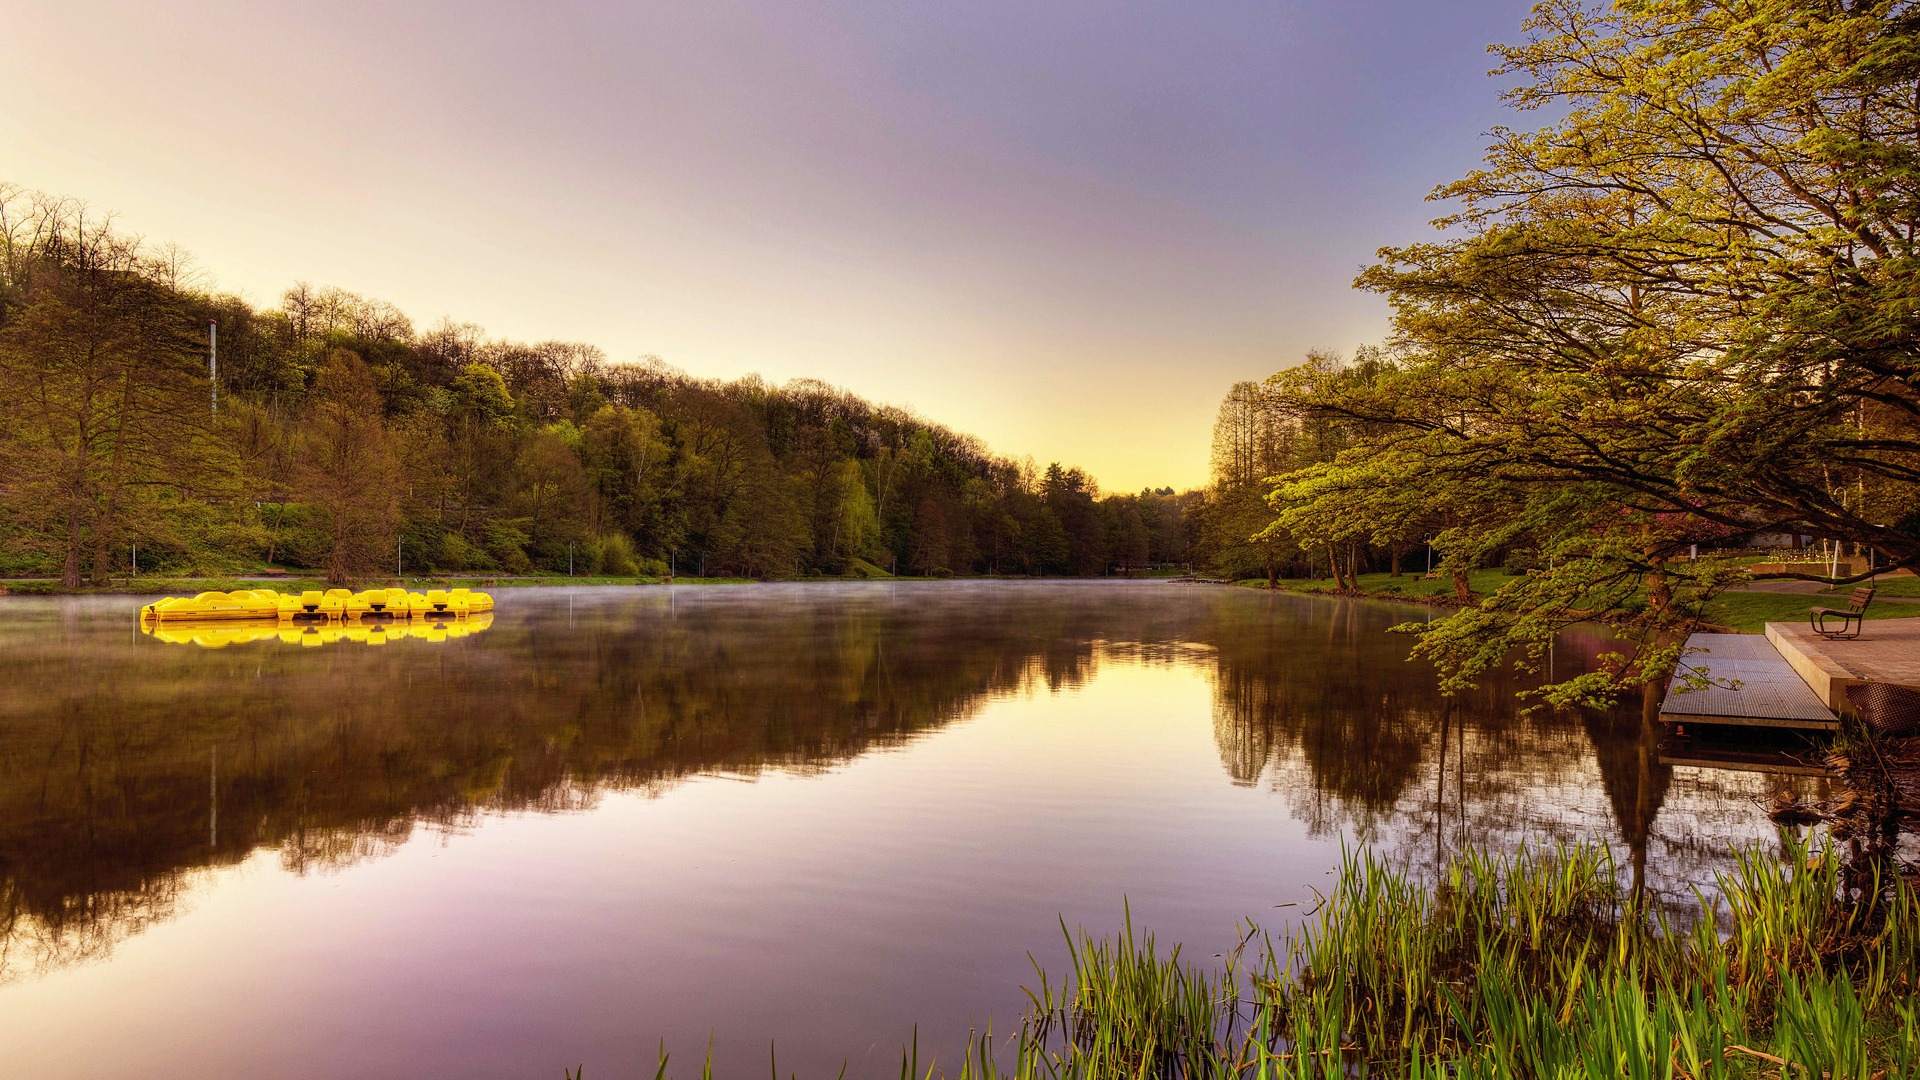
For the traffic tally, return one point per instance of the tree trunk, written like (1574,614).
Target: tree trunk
(1462,588)
(116,476)
(103,544)
(1659,586)
(1396,553)
(273,542)
(1273,579)
(337,567)
(70,569)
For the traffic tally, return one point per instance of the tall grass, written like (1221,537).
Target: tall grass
(1538,964)
(1534,966)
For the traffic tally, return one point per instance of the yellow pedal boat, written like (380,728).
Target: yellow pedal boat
(312,634)
(214,607)
(314,605)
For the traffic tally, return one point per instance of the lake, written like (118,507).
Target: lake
(810,816)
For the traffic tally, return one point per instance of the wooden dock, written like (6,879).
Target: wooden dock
(1736,759)
(1752,685)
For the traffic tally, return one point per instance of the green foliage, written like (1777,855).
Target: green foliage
(479,395)
(616,555)
(507,546)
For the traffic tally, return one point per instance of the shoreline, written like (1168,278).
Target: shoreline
(1732,612)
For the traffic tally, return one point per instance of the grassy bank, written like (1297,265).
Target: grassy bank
(1536,965)
(1748,612)
(299,581)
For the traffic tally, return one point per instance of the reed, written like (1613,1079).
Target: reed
(1538,964)
(1534,966)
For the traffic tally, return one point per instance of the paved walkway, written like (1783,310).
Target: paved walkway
(1780,587)
(1887,650)
(1815,588)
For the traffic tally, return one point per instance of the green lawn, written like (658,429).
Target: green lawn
(1751,611)
(1410,585)
(1748,612)
(1890,586)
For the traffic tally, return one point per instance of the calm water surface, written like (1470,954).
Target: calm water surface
(810,815)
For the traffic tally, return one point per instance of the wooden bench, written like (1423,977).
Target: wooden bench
(1853,615)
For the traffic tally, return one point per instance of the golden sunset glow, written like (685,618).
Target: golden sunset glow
(1062,228)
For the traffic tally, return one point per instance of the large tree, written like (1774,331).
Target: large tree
(1697,286)
(349,472)
(1683,310)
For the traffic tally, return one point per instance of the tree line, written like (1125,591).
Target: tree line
(1679,316)
(142,415)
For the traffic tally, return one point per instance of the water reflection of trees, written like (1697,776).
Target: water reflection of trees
(1333,720)
(128,767)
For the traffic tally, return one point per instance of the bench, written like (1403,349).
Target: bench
(1854,615)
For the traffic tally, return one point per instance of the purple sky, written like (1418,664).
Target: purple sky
(1065,227)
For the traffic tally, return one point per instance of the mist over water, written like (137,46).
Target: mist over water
(811,815)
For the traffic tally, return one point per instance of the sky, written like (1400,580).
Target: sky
(1066,227)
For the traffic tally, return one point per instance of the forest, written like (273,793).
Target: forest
(145,417)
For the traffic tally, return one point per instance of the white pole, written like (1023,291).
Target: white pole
(136,559)
(569,558)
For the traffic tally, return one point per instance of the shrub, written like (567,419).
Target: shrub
(455,553)
(616,555)
(508,545)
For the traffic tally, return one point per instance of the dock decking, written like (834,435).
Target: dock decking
(1753,686)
